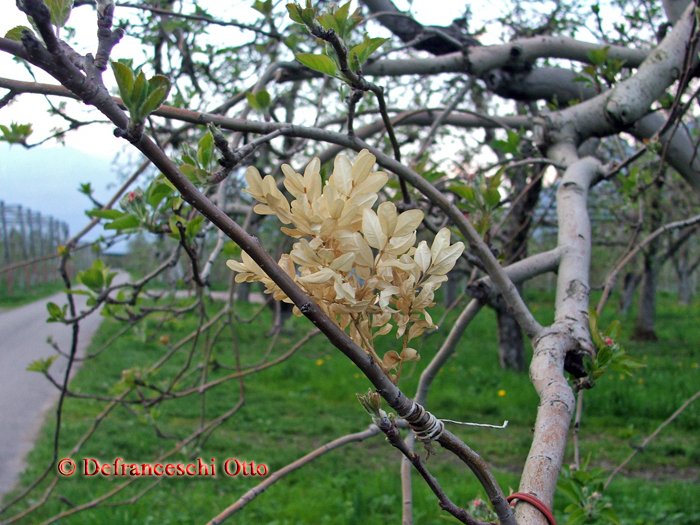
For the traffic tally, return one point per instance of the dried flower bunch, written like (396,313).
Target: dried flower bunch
(360,266)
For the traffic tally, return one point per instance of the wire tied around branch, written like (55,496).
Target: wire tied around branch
(427,431)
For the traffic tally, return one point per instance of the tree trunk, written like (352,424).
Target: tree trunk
(685,287)
(644,329)
(510,341)
(684,270)
(243,292)
(632,280)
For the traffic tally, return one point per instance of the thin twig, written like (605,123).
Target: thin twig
(612,276)
(253,493)
(663,425)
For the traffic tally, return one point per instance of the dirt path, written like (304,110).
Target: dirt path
(26,397)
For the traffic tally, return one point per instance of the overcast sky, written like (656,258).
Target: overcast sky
(47,180)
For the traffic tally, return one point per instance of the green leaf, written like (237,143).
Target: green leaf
(193,227)
(308,14)
(320,63)
(263,98)
(60,11)
(187,159)
(139,92)
(42,365)
(609,514)
(512,145)
(342,12)
(495,181)
(158,90)
(625,364)
(614,331)
(466,192)
(54,311)
(16,33)
(263,7)
(75,291)
(158,191)
(123,223)
(105,214)
(205,149)
(566,488)
(174,230)
(598,56)
(295,13)
(109,277)
(328,21)
(593,326)
(259,101)
(577,516)
(366,48)
(16,133)
(194,174)
(232,250)
(253,101)
(85,188)
(92,278)
(493,197)
(125,82)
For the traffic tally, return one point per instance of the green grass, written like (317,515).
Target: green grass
(22,296)
(310,399)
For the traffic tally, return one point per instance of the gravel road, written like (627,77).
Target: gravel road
(26,397)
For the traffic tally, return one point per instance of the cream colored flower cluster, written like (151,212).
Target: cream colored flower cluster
(360,266)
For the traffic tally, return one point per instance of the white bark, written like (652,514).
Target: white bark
(674,9)
(681,151)
(569,332)
(629,100)
(481,59)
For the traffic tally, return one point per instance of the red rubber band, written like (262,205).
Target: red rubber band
(532,500)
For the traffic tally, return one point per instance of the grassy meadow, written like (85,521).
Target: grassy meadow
(21,296)
(310,399)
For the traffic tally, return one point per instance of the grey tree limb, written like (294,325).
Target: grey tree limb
(568,335)
(629,101)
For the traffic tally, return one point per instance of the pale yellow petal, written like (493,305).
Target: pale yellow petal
(372,184)
(384,330)
(287,265)
(447,259)
(400,245)
(252,177)
(387,217)
(442,241)
(343,263)
(409,354)
(422,256)
(391,359)
(313,167)
(236,266)
(344,291)
(408,222)
(372,230)
(322,276)
(293,181)
(364,257)
(341,179)
(362,166)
